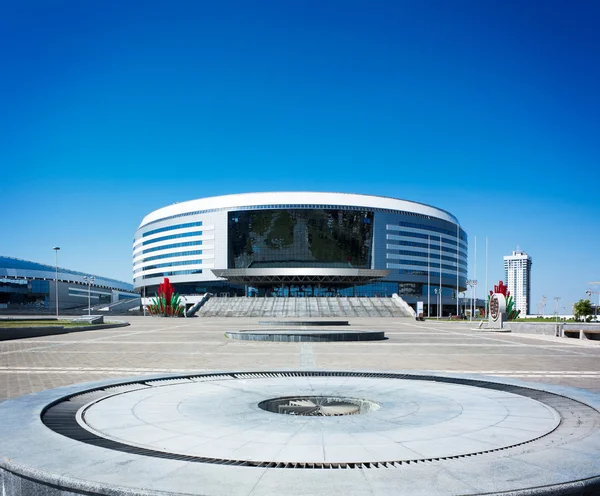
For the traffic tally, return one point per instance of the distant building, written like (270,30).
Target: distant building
(31,285)
(517,277)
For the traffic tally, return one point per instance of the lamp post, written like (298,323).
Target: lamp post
(472,283)
(474,296)
(56,248)
(557,299)
(589,292)
(438,302)
(89,281)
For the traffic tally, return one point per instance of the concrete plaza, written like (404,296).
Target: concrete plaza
(154,345)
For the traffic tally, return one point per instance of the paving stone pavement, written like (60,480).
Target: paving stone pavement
(154,345)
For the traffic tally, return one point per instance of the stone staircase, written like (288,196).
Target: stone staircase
(337,306)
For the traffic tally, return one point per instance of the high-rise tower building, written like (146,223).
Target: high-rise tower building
(517,276)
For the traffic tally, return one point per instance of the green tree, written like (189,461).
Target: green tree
(582,309)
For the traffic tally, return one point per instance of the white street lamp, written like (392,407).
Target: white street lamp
(56,248)
(589,292)
(89,281)
(472,283)
(438,302)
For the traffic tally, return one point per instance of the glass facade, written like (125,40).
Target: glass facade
(398,241)
(95,297)
(171,255)
(201,287)
(172,236)
(24,292)
(172,273)
(174,245)
(300,238)
(171,228)
(168,264)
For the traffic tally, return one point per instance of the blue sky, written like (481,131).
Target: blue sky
(491,110)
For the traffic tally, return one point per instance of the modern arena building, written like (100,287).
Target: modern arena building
(299,244)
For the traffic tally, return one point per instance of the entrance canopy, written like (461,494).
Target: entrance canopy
(304,275)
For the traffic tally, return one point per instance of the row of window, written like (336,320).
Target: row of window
(430,228)
(73,292)
(430,237)
(84,292)
(168,264)
(170,255)
(40,286)
(425,264)
(417,272)
(398,241)
(171,228)
(174,245)
(174,273)
(172,236)
(420,254)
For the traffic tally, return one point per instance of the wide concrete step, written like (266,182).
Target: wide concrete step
(301,307)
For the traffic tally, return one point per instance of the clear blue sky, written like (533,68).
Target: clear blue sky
(488,109)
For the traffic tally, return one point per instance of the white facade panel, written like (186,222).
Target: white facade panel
(434,236)
(192,239)
(294,198)
(146,239)
(138,256)
(396,237)
(175,261)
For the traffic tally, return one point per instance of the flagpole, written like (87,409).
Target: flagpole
(457,263)
(440,309)
(428,274)
(475,280)
(486,278)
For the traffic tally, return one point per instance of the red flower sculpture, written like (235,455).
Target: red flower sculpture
(165,289)
(501,288)
(510,303)
(167,301)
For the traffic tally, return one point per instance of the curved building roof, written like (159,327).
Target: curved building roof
(15,267)
(295,198)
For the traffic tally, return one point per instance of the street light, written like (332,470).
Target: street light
(589,292)
(89,281)
(472,283)
(557,299)
(56,248)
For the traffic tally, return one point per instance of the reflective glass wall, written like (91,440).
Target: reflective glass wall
(300,238)
(24,293)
